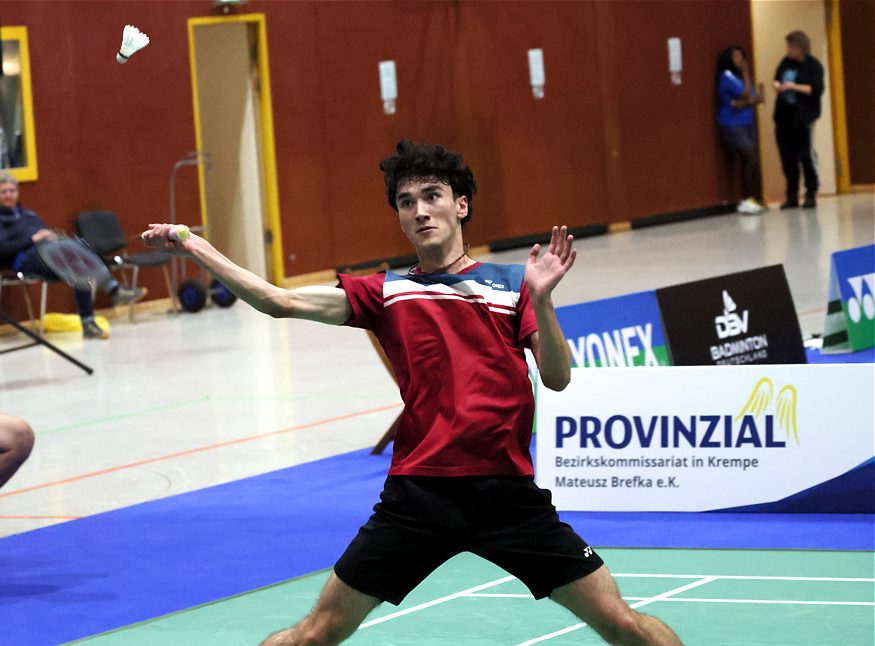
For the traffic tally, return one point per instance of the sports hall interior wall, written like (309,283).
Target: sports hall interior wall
(858,57)
(613,140)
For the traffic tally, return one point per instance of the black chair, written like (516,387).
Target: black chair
(11,278)
(102,231)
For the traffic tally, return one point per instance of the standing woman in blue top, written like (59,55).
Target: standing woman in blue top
(735,122)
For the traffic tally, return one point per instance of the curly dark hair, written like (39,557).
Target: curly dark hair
(425,161)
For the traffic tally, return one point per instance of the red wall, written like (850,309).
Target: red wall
(612,139)
(858,53)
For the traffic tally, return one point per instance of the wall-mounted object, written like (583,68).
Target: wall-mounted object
(388,86)
(537,77)
(675,60)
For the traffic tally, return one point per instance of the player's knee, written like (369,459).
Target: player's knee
(19,437)
(624,629)
(24,439)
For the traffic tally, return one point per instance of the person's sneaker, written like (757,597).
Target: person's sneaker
(92,330)
(751,207)
(127,295)
(790,204)
(810,202)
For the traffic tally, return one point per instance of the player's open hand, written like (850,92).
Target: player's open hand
(544,273)
(166,238)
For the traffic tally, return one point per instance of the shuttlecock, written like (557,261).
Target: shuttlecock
(133,40)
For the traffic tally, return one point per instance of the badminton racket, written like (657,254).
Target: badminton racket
(73,262)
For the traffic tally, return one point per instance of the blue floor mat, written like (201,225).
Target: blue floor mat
(87,576)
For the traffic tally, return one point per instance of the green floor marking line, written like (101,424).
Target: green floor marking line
(206,398)
(730,611)
(137,413)
(369,396)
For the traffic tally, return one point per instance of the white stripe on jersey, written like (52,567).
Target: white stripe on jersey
(498,300)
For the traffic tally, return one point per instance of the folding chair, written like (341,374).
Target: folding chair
(102,231)
(11,278)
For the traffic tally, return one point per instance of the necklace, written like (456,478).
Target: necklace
(417,269)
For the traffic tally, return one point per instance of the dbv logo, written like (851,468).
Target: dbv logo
(730,324)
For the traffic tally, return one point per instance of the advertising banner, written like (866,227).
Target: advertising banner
(765,438)
(622,331)
(850,317)
(741,318)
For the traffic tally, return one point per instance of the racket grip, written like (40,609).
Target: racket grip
(179,233)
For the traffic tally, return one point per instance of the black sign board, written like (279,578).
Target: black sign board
(742,318)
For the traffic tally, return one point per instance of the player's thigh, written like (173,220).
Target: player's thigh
(518,529)
(596,600)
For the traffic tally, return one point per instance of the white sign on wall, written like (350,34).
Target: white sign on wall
(702,438)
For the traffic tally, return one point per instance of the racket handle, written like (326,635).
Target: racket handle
(179,233)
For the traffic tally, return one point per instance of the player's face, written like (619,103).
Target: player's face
(429,213)
(8,195)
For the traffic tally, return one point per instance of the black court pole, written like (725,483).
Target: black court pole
(38,340)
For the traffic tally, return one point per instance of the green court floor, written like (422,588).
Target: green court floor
(710,597)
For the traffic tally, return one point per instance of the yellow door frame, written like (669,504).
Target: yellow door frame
(268,149)
(27,173)
(759,132)
(837,94)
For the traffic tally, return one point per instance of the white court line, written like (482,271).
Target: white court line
(778,601)
(703,578)
(740,577)
(435,602)
(800,602)
(639,604)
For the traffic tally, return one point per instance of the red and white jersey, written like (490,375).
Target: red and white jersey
(456,344)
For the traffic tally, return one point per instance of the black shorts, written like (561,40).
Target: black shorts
(421,522)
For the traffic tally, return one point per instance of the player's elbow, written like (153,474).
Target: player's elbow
(280,304)
(556,382)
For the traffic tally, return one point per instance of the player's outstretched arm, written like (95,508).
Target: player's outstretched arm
(322,304)
(542,275)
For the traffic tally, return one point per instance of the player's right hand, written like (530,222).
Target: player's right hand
(158,236)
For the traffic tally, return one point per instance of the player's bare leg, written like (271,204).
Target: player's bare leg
(596,600)
(16,442)
(337,615)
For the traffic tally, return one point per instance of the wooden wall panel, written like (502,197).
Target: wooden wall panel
(670,156)
(610,141)
(538,162)
(858,55)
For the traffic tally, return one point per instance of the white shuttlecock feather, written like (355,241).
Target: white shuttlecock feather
(133,40)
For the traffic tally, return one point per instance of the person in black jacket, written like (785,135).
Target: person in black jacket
(799,83)
(20,231)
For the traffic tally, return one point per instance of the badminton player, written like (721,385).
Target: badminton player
(461,478)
